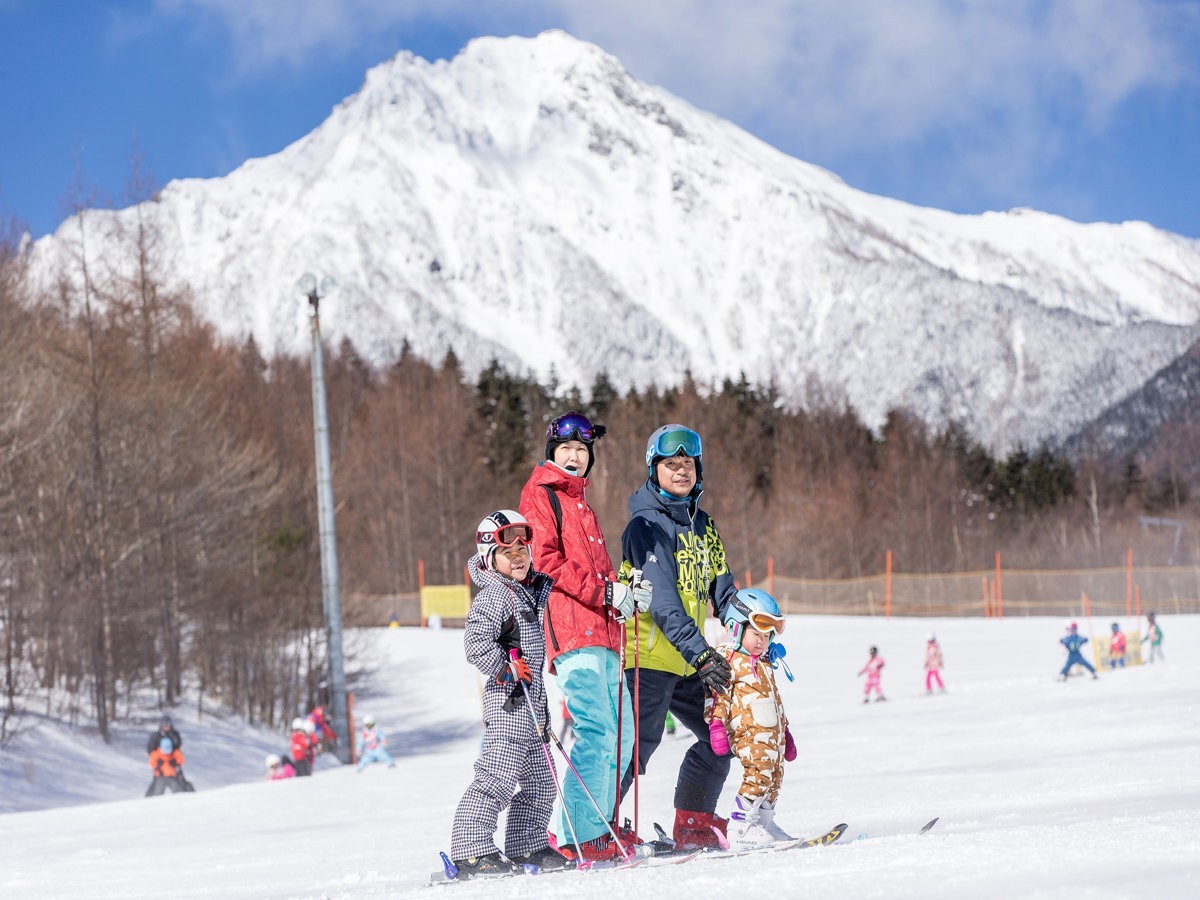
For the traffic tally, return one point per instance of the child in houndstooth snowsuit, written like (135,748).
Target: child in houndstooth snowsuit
(513,769)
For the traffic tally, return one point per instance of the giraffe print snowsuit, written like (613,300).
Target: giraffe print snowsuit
(755,722)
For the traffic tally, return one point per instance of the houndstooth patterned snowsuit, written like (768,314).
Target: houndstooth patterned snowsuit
(755,722)
(506,613)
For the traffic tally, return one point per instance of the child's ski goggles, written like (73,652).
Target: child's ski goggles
(759,620)
(766,623)
(510,535)
(670,442)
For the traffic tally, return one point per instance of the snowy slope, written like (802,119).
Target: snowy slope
(530,200)
(1044,789)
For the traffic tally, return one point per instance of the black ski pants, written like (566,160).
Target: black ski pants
(702,773)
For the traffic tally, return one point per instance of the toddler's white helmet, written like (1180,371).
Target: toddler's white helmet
(297,724)
(273,759)
(369,720)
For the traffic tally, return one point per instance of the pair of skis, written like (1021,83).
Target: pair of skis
(449,872)
(725,850)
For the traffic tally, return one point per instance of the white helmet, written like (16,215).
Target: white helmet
(308,725)
(369,720)
(503,528)
(297,724)
(273,759)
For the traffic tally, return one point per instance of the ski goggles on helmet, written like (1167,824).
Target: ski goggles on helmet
(674,440)
(512,535)
(766,623)
(573,427)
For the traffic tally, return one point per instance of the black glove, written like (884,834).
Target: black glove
(714,670)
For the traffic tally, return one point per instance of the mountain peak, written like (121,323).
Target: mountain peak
(531,201)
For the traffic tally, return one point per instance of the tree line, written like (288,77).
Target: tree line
(158,509)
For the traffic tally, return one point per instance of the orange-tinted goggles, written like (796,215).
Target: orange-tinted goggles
(514,534)
(766,623)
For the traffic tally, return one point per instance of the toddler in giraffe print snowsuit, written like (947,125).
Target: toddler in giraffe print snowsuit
(748,718)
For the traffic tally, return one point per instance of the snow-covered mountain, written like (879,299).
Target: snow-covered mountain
(530,200)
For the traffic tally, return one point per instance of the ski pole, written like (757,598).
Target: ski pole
(512,654)
(637,717)
(620,710)
(583,784)
(512,668)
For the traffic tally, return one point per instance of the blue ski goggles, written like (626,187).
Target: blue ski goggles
(572,426)
(675,439)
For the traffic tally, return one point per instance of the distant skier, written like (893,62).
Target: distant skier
(302,749)
(324,736)
(279,768)
(166,762)
(372,746)
(933,665)
(872,670)
(1073,641)
(1154,635)
(166,729)
(1116,647)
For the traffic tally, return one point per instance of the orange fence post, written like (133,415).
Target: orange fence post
(771,575)
(887,590)
(1129,582)
(999,589)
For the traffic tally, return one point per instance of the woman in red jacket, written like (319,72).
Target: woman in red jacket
(584,636)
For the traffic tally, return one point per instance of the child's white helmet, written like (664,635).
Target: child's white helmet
(273,759)
(502,528)
(297,724)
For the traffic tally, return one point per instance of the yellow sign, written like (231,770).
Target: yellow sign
(447,601)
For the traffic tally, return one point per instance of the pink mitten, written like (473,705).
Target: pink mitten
(789,746)
(717,738)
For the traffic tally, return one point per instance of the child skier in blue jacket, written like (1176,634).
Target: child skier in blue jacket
(1073,641)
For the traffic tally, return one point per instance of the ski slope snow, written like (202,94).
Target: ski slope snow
(1044,789)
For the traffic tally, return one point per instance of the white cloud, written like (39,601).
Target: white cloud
(299,33)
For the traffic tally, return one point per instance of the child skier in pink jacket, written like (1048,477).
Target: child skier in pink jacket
(872,669)
(933,665)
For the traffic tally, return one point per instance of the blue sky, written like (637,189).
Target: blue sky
(1086,108)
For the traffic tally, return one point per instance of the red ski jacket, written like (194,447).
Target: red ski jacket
(578,561)
(302,747)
